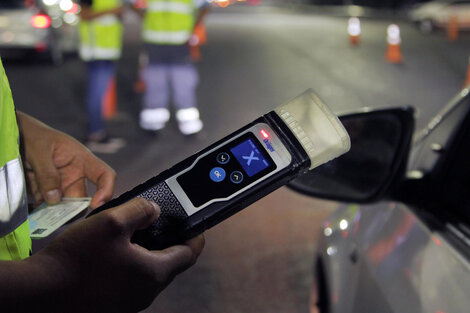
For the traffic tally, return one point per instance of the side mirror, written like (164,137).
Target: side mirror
(380,142)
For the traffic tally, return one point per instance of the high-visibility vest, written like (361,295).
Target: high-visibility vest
(101,38)
(169,22)
(15,243)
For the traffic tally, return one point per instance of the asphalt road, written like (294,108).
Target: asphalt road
(260,260)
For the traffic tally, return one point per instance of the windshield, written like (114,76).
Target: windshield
(15,4)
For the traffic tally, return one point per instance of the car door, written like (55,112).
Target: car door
(410,251)
(419,256)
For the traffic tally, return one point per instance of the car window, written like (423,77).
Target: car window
(455,179)
(442,154)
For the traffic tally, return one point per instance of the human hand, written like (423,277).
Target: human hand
(94,267)
(57,165)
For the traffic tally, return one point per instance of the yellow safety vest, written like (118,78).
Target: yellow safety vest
(101,38)
(169,21)
(15,243)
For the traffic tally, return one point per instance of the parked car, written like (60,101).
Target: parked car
(438,14)
(44,27)
(404,245)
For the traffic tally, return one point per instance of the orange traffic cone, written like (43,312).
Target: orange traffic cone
(110,100)
(467,82)
(354,30)
(393,54)
(198,38)
(139,85)
(453,29)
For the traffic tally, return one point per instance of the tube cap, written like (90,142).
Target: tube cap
(317,128)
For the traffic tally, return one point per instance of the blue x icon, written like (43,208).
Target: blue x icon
(250,158)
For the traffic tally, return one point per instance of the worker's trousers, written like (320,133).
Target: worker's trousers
(100,73)
(170,82)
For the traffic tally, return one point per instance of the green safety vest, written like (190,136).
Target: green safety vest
(101,38)
(15,243)
(169,22)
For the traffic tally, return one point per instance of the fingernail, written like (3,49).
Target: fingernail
(155,206)
(53,196)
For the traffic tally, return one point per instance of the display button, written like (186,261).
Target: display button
(223,158)
(217,174)
(236,177)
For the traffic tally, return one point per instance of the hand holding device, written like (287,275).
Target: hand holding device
(215,183)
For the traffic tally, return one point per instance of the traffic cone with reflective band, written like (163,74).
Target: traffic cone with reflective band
(354,30)
(109,100)
(467,82)
(393,54)
(453,29)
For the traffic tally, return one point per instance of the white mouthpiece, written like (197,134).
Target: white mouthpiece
(318,130)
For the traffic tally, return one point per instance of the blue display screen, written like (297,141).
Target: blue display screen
(249,157)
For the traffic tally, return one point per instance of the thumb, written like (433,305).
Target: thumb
(137,214)
(48,178)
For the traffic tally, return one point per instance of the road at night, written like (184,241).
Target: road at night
(255,59)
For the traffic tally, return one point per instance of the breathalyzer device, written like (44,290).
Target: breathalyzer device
(222,179)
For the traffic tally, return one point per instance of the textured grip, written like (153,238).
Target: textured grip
(172,213)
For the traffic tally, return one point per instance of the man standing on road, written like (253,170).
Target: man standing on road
(167,28)
(93,266)
(100,47)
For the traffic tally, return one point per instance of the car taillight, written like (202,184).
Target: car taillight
(41,21)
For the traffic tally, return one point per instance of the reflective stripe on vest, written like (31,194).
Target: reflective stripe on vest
(101,38)
(15,242)
(174,7)
(12,197)
(169,21)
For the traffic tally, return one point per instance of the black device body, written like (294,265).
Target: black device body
(174,226)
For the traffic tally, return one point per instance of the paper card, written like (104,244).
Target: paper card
(46,219)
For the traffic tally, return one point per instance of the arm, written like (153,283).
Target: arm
(87,13)
(93,267)
(201,14)
(138,10)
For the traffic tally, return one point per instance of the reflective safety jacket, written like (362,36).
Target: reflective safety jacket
(169,22)
(101,37)
(15,243)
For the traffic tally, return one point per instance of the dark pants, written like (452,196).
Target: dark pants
(100,74)
(170,74)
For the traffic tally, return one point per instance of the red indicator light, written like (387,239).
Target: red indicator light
(74,10)
(264,134)
(41,21)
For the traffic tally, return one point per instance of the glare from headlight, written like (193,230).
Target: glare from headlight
(343,224)
(50,2)
(56,23)
(331,250)
(70,18)
(328,231)
(66,5)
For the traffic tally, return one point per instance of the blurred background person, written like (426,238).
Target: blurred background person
(170,72)
(100,47)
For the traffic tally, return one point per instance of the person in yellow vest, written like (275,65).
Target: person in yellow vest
(170,73)
(100,47)
(92,266)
